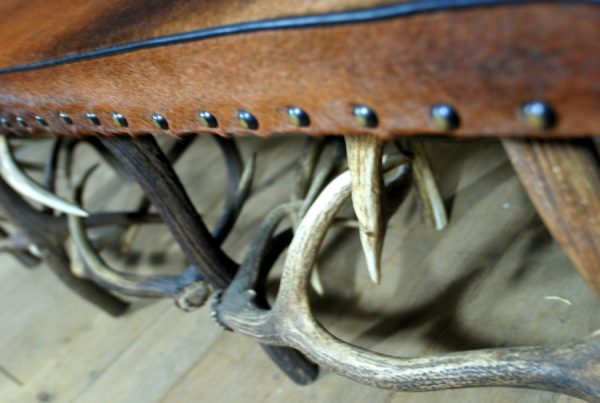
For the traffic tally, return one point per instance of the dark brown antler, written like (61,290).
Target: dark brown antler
(145,161)
(186,288)
(35,226)
(238,186)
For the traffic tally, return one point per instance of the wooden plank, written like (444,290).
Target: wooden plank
(563,180)
(162,353)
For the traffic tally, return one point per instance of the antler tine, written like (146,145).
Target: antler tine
(48,238)
(50,168)
(311,152)
(32,165)
(237,309)
(70,145)
(246,276)
(184,287)
(397,187)
(19,181)
(240,177)
(76,263)
(319,180)
(435,211)
(252,273)
(235,202)
(313,228)
(364,161)
(20,247)
(322,175)
(570,369)
(12,245)
(51,165)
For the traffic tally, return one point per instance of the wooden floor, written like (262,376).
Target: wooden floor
(493,278)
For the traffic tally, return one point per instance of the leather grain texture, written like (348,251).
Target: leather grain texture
(39,29)
(484,61)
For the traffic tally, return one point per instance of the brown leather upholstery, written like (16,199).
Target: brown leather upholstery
(485,61)
(34,30)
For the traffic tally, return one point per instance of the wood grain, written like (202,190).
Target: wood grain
(485,62)
(562,179)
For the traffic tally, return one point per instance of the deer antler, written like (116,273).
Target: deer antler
(571,369)
(236,307)
(319,180)
(187,288)
(427,189)
(364,162)
(20,182)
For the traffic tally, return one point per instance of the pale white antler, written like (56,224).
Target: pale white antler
(433,205)
(364,162)
(20,182)
(309,182)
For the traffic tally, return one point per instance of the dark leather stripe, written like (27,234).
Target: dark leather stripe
(297,22)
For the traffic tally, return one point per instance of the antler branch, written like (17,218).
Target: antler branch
(571,369)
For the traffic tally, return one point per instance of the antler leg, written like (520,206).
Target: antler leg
(179,287)
(32,224)
(145,161)
(562,179)
(572,369)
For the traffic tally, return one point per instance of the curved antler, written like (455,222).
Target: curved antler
(18,180)
(144,159)
(571,369)
(240,178)
(186,288)
(434,210)
(310,181)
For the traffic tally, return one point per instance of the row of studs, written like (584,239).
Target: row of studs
(537,115)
